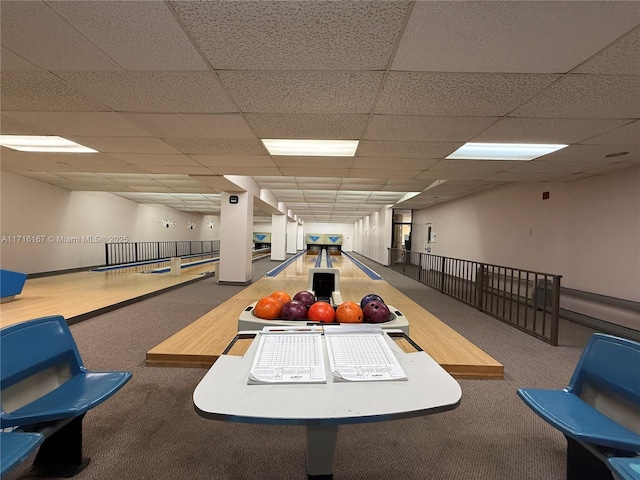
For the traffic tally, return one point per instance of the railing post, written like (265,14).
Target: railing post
(555,310)
(106,253)
(480,286)
(442,268)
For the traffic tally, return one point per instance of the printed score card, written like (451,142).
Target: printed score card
(289,356)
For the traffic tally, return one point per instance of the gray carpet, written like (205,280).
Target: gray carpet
(149,430)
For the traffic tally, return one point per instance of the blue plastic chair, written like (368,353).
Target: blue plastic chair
(625,468)
(609,364)
(15,447)
(44,383)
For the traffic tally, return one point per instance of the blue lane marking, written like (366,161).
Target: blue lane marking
(275,271)
(373,275)
(319,260)
(329,264)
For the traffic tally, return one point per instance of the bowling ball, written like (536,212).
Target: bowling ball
(376,312)
(282,296)
(349,312)
(294,310)
(367,298)
(321,312)
(305,297)
(267,308)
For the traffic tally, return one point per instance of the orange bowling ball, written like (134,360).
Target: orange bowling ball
(349,312)
(282,296)
(268,308)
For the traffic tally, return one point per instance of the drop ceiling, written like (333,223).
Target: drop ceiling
(170,92)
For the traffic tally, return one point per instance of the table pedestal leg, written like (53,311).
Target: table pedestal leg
(321,451)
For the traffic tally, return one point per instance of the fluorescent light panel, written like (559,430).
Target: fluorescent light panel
(311,148)
(48,143)
(503,151)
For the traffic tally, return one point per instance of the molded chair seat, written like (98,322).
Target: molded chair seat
(75,397)
(15,447)
(577,419)
(627,468)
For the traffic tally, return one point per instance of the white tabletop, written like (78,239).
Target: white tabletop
(223,394)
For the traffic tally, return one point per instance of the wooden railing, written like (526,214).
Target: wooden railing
(525,299)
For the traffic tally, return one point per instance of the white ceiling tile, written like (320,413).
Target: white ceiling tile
(529,177)
(393,163)
(313,162)
(628,134)
(382,173)
(455,175)
(621,57)
(107,124)
(567,166)
(32,90)
(256,35)
(231,160)
(302,92)
(509,37)
(426,129)
(586,96)
(163,125)
(316,171)
(410,93)
(153,92)
(390,148)
(34,31)
(124,144)
(12,62)
(308,126)
(156,159)
(186,169)
(114,27)
(473,165)
(248,171)
(545,130)
(219,126)
(594,152)
(214,146)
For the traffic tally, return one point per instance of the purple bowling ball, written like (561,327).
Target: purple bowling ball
(376,312)
(294,310)
(305,297)
(367,298)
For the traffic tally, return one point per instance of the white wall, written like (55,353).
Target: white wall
(373,235)
(588,231)
(68,229)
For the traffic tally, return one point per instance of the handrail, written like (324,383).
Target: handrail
(135,252)
(526,299)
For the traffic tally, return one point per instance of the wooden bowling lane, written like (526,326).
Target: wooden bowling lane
(202,342)
(75,295)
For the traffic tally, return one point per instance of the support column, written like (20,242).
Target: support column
(292,237)
(236,235)
(278,237)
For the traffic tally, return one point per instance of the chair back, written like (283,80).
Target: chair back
(607,377)
(37,356)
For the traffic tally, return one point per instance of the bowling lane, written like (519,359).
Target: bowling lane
(304,263)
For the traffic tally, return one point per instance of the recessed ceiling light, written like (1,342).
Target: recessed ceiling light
(311,148)
(49,143)
(503,151)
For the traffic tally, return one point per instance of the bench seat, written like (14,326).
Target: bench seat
(577,419)
(73,398)
(15,447)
